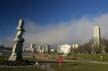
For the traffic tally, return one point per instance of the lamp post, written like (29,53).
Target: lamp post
(76,48)
(73,46)
(92,51)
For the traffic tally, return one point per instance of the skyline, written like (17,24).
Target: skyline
(54,21)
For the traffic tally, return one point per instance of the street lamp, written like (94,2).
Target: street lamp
(92,51)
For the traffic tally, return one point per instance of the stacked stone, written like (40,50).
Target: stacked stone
(17,48)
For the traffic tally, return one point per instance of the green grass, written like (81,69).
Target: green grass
(20,69)
(94,57)
(80,67)
(38,59)
(4,58)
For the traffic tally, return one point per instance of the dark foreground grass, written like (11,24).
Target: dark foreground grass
(80,67)
(20,69)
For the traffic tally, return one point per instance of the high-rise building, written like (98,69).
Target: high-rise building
(43,48)
(96,40)
(97,35)
(32,46)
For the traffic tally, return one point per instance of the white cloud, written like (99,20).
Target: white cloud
(66,32)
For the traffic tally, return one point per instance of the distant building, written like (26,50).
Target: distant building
(64,49)
(30,49)
(5,53)
(43,49)
(52,50)
(32,46)
(75,48)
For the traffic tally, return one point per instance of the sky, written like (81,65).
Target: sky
(53,21)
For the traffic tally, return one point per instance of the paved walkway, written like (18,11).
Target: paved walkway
(96,62)
(86,61)
(46,67)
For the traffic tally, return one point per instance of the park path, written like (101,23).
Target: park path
(86,61)
(97,62)
(46,67)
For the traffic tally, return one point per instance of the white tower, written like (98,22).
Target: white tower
(97,35)
(96,42)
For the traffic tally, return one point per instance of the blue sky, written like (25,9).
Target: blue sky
(46,12)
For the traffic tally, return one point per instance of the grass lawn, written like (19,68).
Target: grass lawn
(94,57)
(80,67)
(39,59)
(5,58)
(20,69)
